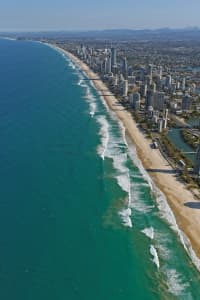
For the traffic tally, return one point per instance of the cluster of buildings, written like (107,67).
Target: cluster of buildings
(152,89)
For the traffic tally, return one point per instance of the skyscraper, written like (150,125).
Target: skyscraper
(183,84)
(186,103)
(125,88)
(142,74)
(125,67)
(150,71)
(108,65)
(143,90)
(113,57)
(149,99)
(168,81)
(135,101)
(159,101)
(160,70)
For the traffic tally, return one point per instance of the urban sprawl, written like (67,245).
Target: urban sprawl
(159,83)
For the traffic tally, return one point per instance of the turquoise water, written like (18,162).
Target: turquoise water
(78,219)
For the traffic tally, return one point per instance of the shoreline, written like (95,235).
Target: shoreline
(158,169)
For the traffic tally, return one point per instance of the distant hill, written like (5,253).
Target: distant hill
(117,34)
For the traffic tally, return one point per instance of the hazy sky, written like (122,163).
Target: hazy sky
(102,14)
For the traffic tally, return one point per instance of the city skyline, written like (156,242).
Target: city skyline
(87,15)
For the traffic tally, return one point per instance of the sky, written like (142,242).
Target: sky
(38,15)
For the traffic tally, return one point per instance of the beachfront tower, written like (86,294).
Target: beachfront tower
(113,58)
(125,88)
(135,101)
(149,99)
(197,162)
(125,67)
(108,65)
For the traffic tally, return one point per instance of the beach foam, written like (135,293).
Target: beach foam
(175,284)
(126,217)
(154,254)
(149,232)
(163,241)
(113,147)
(136,200)
(104,133)
(164,208)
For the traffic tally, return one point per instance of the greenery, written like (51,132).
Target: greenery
(189,138)
(173,152)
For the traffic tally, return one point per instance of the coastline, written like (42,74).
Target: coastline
(161,173)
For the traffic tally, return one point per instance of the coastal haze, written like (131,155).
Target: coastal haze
(89,15)
(100,150)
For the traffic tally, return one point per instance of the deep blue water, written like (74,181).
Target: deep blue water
(78,219)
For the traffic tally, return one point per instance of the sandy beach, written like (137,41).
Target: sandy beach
(181,200)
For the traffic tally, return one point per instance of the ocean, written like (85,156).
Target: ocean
(80,218)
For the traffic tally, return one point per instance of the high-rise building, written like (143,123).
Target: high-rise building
(149,99)
(183,84)
(168,81)
(142,74)
(148,80)
(193,88)
(173,87)
(135,101)
(186,103)
(109,64)
(150,71)
(125,67)
(159,100)
(160,70)
(160,125)
(165,123)
(131,80)
(158,82)
(125,88)
(115,80)
(113,58)
(165,113)
(143,90)
(130,71)
(153,87)
(83,51)
(156,116)
(178,85)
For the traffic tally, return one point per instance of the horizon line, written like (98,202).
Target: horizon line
(99,30)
